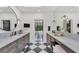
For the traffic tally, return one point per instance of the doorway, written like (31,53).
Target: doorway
(38,30)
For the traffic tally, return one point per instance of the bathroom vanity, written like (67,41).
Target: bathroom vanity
(69,45)
(14,44)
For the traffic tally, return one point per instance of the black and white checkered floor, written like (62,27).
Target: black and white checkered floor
(37,48)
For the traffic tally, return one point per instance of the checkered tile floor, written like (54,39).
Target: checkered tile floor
(37,48)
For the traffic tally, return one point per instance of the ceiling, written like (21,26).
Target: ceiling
(5,9)
(41,9)
(48,9)
(67,9)
(36,9)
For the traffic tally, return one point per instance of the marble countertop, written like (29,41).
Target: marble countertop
(70,43)
(8,40)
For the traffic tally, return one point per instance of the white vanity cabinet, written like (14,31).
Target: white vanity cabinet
(58,45)
(17,45)
(10,48)
(22,42)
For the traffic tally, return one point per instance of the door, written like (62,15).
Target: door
(39,30)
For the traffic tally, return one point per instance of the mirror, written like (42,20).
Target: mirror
(8,19)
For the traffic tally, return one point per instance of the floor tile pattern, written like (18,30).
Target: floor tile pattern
(37,48)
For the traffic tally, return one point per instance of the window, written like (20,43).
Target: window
(27,25)
(77,25)
(58,28)
(48,28)
(15,25)
(6,25)
(77,32)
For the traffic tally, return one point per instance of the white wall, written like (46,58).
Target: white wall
(7,16)
(30,17)
(48,21)
(75,29)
